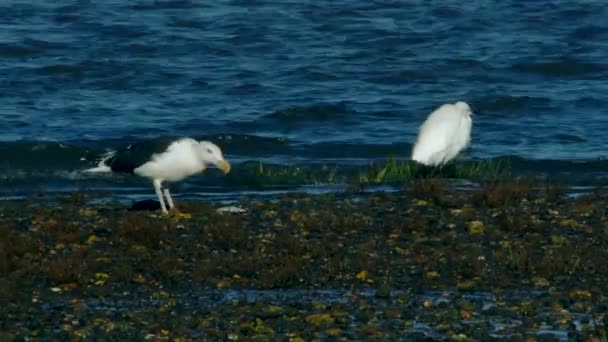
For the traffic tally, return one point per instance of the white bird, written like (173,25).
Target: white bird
(445,133)
(162,161)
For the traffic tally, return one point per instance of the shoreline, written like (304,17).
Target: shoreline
(541,255)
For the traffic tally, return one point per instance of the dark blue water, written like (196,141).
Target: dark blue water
(300,81)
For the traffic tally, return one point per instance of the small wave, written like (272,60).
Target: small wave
(58,69)
(567,168)
(15,50)
(320,112)
(588,32)
(124,31)
(590,102)
(563,68)
(108,73)
(339,150)
(27,48)
(233,145)
(66,18)
(162,5)
(510,102)
(42,156)
(249,145)
(105,68)
(314,73)
(245,89)
(447,12)
(570,138)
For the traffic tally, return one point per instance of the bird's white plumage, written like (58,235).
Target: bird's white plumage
(183,158)
(180,160)
(445,133)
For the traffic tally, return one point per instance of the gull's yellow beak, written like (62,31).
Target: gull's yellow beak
(224,165)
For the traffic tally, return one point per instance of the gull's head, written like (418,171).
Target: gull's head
(463,108)
(211,154)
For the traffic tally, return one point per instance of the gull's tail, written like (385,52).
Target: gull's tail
(103,164)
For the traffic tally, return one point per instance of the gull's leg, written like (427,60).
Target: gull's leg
(159,194)
(169,198)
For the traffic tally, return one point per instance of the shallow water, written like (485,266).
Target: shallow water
(308,82)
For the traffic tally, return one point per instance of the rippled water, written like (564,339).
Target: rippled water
(301,81)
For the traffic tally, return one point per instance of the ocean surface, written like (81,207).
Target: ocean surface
(338,82)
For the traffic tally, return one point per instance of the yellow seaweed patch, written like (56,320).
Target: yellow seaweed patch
(318,319)
(432,275)
(139,279)
(101,278)
(363,275)
(334,331)
(476,227)
(465,284)
(297,339)
(92,239)
(421,203)
(260,327)
(540,282)
(580,294)
(176,215)
(571,223)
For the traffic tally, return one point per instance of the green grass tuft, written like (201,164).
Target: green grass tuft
(258,173)
(399,171)
(389,172)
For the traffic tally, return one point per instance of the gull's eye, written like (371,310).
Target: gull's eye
(209,151)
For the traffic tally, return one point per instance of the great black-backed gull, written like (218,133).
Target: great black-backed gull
(164,161)
(445,133)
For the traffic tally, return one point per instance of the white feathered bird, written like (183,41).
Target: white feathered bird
(444,134)
(164,161)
